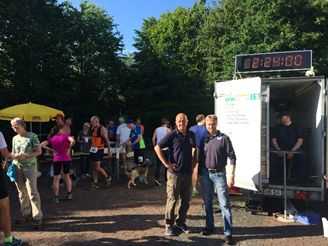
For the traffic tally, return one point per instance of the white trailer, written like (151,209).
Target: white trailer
(247,112)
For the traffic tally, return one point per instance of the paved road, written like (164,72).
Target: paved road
(118,216)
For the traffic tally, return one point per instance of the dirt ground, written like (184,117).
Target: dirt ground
(118,216)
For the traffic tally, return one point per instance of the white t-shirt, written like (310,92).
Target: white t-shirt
(3,143)
(124,132)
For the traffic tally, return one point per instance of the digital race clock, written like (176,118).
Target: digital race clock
(275,61)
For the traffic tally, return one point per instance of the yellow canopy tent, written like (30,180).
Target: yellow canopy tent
(30,112)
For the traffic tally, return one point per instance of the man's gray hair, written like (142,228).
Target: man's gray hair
(95,117)
(18,121)
(212,117)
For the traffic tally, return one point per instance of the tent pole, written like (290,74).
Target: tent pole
(40,130)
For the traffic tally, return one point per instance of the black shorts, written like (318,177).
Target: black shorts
(3,184)
(60,166)
(139,156)
(98,156)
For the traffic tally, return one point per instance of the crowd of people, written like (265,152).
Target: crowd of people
(23,162)
(186,155)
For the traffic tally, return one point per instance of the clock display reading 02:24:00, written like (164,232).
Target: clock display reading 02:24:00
(274,61)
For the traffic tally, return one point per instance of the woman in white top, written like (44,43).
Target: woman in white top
(158,135)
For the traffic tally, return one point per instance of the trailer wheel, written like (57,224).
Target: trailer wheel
(270,213)
(253,213)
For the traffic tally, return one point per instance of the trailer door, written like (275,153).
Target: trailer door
(238,107)
(324,185)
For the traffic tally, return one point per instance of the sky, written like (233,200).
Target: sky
(129,14)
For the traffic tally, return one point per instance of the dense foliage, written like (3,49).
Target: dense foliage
(71,58)
(60,56)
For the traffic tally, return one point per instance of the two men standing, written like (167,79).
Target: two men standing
(182,158)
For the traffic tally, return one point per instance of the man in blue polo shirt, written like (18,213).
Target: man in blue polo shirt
(182,150)
(217,149)
(200,134)
(135,138)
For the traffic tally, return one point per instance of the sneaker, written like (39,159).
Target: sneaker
(56,199)
(169,231)
(15,242)
(69,196)
(228,240)
(207,231)
(108,181)
(184,228)
(157,182)
(95,185)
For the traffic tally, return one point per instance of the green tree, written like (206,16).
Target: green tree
(71,58)
(252,26)
(170,64)
(96,65)
(58,55)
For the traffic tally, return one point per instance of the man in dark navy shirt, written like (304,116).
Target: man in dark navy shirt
(217,149)
(287,137)
(182,150)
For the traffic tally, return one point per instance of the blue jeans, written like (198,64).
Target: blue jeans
(208,182)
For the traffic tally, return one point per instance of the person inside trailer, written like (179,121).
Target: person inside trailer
(287,137)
